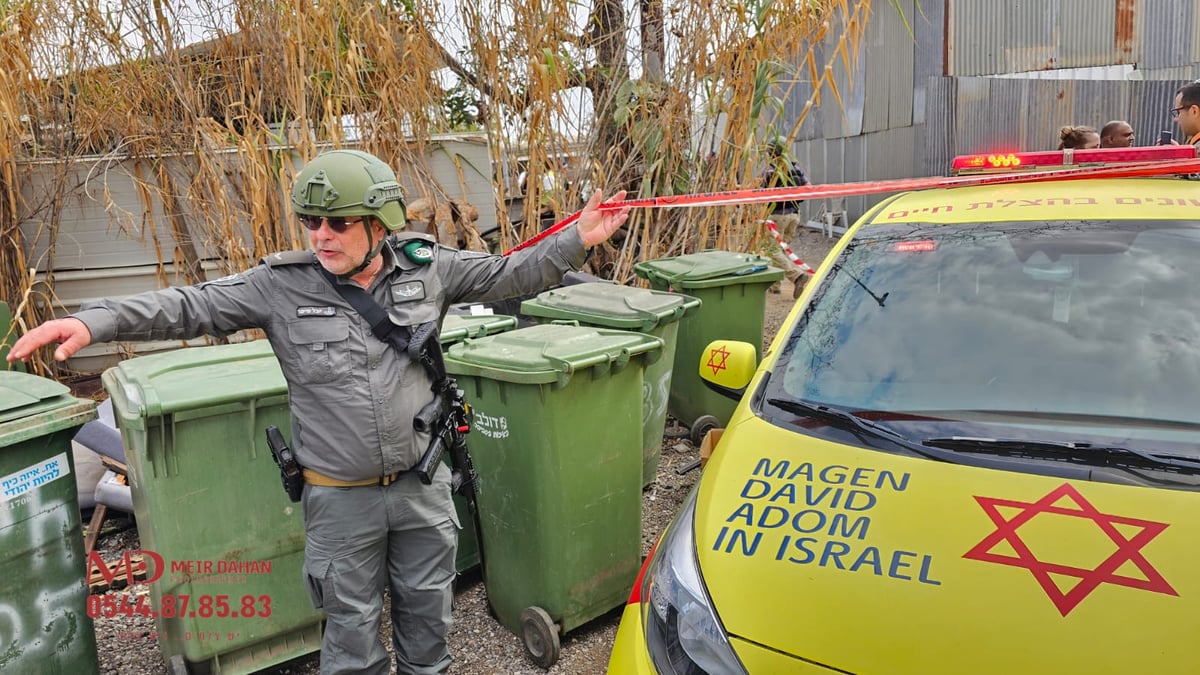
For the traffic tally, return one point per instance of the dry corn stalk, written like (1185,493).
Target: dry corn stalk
(119,80)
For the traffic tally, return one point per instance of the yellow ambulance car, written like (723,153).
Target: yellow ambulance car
(974,447)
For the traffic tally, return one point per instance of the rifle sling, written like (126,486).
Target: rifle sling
(365,305)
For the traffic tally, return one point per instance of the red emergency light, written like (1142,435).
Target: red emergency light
(1009,161)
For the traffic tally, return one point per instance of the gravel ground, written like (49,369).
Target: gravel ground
(478,643)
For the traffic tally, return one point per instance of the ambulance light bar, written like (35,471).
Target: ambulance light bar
(1027,161)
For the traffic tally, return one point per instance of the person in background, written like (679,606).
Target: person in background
(1078,138)
(1186,111)
(369,523)
(784,172)
(1116,134)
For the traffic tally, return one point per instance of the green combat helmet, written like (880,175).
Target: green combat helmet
(349,183)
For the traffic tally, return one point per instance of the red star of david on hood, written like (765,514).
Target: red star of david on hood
(1065,500)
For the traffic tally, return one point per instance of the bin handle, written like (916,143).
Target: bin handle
(621,360)
(568,367)
(652,275)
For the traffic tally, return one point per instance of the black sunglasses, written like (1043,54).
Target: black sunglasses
(337,224)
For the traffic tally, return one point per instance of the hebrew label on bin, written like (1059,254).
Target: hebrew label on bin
(34,476)
(40,616)
(489,425)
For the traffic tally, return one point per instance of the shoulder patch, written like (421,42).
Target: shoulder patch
(288,258)
(227,280)
(418,251)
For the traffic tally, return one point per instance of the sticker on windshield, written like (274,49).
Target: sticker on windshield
(1072,516)
(921,246)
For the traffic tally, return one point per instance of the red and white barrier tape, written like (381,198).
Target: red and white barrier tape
(787,249)
(764,195)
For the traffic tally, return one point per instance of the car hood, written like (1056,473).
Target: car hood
(870,562)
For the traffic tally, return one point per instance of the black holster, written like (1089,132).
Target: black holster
(289,469)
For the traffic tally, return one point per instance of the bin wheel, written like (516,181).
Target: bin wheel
(702,426)
(540,634)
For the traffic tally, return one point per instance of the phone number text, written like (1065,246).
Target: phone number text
(179,606)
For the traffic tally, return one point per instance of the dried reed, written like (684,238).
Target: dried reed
(212,127)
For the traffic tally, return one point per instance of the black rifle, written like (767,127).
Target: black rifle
(289,468)
(447,417)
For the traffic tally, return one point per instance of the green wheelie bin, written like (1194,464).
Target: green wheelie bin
(556,436)
(45,624)
(455,329)
(229,596)
(607,305)
(732,287)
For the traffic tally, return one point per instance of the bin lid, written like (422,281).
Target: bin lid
(710,268)
(196,377)
(31,405)
(548,353)
(610,305)
(458,327)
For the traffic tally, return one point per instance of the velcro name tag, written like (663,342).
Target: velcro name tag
(316,311)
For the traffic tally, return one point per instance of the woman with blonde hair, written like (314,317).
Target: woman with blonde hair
(1078,138)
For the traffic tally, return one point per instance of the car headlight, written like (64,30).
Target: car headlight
(683,634)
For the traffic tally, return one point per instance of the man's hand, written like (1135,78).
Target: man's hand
(72,334)
(596,226)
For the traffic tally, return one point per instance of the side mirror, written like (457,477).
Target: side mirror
(727,366)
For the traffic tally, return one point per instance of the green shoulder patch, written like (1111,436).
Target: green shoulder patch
(418,250)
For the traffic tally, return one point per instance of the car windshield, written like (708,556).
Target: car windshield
(1065,330)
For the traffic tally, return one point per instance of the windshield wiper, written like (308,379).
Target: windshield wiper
(877,298)
(851,422)
(1111,454)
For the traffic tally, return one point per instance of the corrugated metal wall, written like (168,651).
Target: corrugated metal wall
(969,75)
(987,114)
(989,37)
(879,131)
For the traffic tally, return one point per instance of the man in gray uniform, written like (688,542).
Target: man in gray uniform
(353,397)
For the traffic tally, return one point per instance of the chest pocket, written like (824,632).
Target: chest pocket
(413,314)
(320,345)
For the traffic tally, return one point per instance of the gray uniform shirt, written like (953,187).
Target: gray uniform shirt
(353,397)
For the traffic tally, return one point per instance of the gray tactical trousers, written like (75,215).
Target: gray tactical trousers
(358,539)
